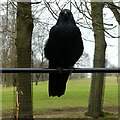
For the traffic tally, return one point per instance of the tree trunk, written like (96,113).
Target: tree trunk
(97,84)
(23,46)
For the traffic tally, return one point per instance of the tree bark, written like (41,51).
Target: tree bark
(97,84)
(23,46)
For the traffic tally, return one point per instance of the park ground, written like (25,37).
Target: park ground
(72,105)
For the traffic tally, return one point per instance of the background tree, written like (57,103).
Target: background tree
(109,65)
(96,95)
(8,42)
(23,46)
(115,9)
(97,85)
(84,61)
(38,42)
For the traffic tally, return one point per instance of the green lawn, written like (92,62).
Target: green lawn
(77,95)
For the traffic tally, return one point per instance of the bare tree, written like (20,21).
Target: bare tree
(8,41)
(96,95)
(115,9)
(23,45)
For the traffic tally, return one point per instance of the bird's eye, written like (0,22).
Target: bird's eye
(69,13)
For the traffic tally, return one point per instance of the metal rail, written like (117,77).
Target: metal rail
(46,70)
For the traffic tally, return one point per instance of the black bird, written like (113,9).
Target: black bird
(63,48)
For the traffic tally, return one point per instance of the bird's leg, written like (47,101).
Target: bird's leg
(60,69)
(71,68)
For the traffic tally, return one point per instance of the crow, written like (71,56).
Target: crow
(63,49)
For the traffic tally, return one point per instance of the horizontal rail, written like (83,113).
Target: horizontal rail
(46,70)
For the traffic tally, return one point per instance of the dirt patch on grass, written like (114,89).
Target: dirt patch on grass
(61,113)
(110,112)
(75,112)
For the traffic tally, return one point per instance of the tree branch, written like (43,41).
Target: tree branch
(50,9)
(36,2)
(115,11)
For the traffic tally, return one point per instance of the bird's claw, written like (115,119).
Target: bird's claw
(59,69)
(71,68)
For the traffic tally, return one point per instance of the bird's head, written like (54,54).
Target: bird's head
(66,16)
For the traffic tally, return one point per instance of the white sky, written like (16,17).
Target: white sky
(112,48)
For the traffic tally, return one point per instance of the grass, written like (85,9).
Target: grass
(77,95)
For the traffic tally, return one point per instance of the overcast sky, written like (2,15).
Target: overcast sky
(112,48)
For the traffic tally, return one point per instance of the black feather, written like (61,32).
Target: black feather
(63,48)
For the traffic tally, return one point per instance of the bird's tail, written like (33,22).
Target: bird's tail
(57,83)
